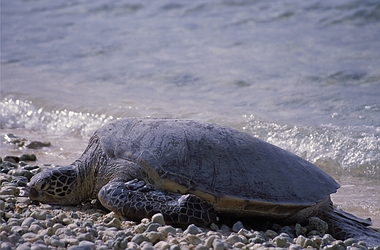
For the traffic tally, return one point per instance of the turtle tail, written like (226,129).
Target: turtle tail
(343,225)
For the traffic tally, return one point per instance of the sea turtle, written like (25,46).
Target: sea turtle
(193,172)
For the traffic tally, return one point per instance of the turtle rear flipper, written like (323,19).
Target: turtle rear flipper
(136,200)
(343,225)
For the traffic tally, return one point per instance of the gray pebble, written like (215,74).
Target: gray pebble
(271,234)
(85,236)
(140,228)
(309,242)
(28,157)
(193,239)
(57,242)
(153,227)
(23,246)
(19,230)
(218,244)
(133,245)
(350,241)
(294,247)
(6,246)
(27,222)
(138,238)
(237,226)
(162,245)
(153,237)
(39,246)
(175,247)
(22,172)
(232,239)
(23,200)
(114,223)
(29,236)
(39,215)
(165,230)
(87,244)
(192,229)
(147,246)
(281,241)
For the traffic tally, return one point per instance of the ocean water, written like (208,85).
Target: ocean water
(303,75)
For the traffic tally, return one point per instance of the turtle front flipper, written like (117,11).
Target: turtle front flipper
(136,200)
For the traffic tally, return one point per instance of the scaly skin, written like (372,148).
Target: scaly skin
(137,200)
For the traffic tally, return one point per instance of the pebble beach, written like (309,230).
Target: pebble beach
(28,225)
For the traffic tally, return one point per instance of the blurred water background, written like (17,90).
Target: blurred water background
(304,75)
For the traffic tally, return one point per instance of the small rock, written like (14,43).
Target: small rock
(39,215)
(28,157)
(281,241)
(87,245)
(38,144)
(257,239)
(225,229)
(300,240)
(218,244)
(153,237)
(309,242)
(29,235)
(35,228)
(175,247)
(19,230)
(10,190)
(162,245)
(23,246)
(271,234)
(153,227)
(239,245)
(158,218)
(147,246)
(114,223)
(27,222)
(300,230)
(6,246)
(350,241)
(165,230)
(193,239)
(12,159)
(23,200)
(317,224)
(192,229)
(138,239)
(209,241)
(359,246)
(232,239)
(133,245)
(39,246)
(237,226)
(57,242)
(85,236)
(140,228)
(294,247)
(214,227)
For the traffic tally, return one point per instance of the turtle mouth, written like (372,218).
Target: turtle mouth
(41,196)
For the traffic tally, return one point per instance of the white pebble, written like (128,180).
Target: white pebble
(158,218)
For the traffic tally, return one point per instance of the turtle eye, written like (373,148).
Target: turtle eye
(43,184)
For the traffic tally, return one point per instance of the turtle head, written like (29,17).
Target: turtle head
(54,186)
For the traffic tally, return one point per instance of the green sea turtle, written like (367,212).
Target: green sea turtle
(193,172)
